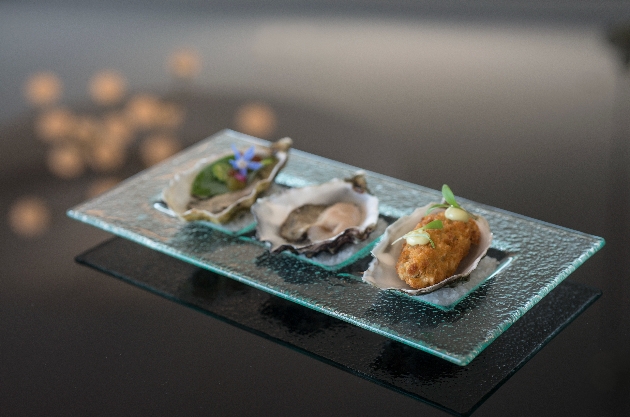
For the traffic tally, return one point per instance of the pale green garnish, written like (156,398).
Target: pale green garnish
(420,232)
(449,197)
(268,161)
(456,214)
(221,171)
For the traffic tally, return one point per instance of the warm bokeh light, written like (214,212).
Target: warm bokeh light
(143,110)
(43,88)
(101,185)
(101,140)
(54,125)
(117,129)
(29,217)
(65,162)
(171,115)
(185,64)
(157,148)
(107,157)
(256,119)
(107,87)
(86,129)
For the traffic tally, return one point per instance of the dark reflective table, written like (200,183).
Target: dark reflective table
(521,108)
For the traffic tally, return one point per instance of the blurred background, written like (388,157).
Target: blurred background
(520,105)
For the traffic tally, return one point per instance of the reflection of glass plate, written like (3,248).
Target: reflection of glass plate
(544,255)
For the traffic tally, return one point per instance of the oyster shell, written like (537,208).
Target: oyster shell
(221,208)
(382,270)
(307,220)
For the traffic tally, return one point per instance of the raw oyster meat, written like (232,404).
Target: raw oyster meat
(312,219)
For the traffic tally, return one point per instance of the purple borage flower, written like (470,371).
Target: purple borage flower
(243,162)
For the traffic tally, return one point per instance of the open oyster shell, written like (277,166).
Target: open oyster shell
(382,271)
(272,212)
(221,208)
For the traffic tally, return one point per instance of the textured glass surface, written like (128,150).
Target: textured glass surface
(458,389)
(243,222)
(544,255)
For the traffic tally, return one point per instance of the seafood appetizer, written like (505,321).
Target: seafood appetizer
(318,218)
(217,187)
(434,246)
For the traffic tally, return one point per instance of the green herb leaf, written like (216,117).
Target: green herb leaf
(220,170)
(234,185)
(199,186)
(268,161)
(206,183)
(263,171)
(206,188)
(435,224)
(449,197)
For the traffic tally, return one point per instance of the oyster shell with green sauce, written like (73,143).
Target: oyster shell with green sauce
(317,218)
(219,186)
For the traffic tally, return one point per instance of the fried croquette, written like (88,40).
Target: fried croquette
(421,266)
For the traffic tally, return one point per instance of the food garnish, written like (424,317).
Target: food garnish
(420,236)
(453,210)
(230,173)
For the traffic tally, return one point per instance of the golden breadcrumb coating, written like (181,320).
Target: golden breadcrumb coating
(422,265)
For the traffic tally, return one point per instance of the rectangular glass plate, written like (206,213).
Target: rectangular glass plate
(544,255)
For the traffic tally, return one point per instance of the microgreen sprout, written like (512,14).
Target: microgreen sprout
(421,232)
(449,198)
